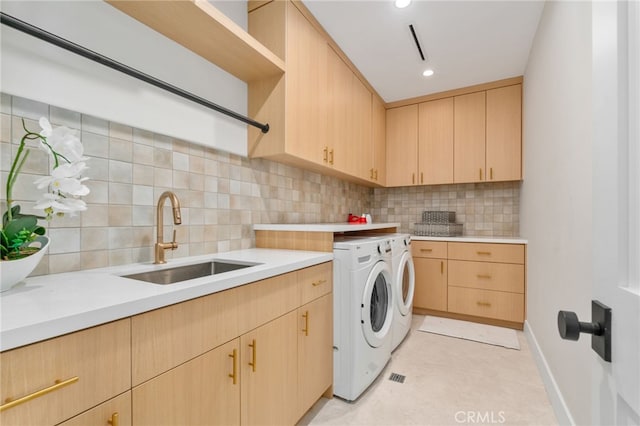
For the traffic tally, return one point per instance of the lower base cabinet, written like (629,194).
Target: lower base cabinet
(431,293)
(203,391)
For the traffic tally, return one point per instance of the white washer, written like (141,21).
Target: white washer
(404,282)
(363,313)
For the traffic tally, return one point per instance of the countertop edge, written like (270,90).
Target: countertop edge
(323,227)
(47,328)
(471,239)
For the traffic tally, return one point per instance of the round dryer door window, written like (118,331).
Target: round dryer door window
(376,305)
(406,282)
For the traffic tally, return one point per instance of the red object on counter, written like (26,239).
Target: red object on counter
(357,219)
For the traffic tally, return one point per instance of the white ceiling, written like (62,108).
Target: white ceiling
(464,42)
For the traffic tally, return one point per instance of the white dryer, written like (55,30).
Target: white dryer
(404,282)
(363,313)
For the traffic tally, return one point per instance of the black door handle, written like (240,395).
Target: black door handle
(570,328)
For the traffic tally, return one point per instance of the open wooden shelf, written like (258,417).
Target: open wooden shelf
(203,29)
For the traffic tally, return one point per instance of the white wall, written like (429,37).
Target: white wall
(36,70)
(556,196)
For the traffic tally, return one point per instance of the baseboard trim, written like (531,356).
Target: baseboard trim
(563,415)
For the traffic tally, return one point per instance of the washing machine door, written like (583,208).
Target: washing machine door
(406,283)
(376,305)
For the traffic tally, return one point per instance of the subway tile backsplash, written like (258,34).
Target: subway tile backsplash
(221,195)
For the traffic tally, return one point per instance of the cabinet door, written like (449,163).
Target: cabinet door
(378,172)
(116,411)
(435,141)
(315,350)
(431,284)
(360,155)
(469,138)
(306,115)
(199,392)
(337,144)
(402,145)
(269,367)
(504,133)
(80,370)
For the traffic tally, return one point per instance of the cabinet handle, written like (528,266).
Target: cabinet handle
(427,250)
(480,173)
(485,253)
(305,330)
(413,178)
(319,282)
(483,303)
(371,172)
(491,173)
(331,156)
(442,267)
(254,348)
(114,419)
(234,375)
(325,154)
(421,177)
(485,276)
(58,384)
(376,178)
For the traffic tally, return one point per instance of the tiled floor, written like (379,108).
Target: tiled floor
(448,381)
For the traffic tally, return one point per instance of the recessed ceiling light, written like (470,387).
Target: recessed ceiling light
(400,4)
(428,72)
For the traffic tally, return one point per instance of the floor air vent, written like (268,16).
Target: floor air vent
(395,377)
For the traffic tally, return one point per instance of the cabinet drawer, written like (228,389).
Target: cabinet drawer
(483,252)
(315,281)
(99,357)
(167,337)
(486,303)
(432,249)
(101,415)
(265,300)
(487,275)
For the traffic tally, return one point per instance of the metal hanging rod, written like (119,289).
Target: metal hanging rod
(104,60)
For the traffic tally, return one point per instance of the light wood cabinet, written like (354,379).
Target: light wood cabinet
(488,135)
(81,370)
(402,145)
(338,146)
(115,411)
(360,152)
(469,137)
(378,172)
(435,141)
(476,281)
(202,391)
(268,373)
(430,264)
(315,351)
(504,133)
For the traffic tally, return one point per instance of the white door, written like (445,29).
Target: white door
(616,212)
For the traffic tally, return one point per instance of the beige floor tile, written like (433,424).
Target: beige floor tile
(449,381)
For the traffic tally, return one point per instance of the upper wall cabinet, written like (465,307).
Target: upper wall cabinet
(471,135)
(320,112)
(488,135)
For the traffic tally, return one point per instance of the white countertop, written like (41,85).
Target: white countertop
(52,305)
(324,227)
(470,239)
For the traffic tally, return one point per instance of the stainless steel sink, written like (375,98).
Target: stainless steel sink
(189,272)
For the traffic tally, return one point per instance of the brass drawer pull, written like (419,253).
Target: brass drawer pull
(305,330)
(485,276)
(426,250)
(319,282)
(491,173)
(114,419)
(483,304)
(376,175)
(325,153)
(442,267)
(58,384)
(421,177)
(252,345)
(234,374)
(480,173)
(485,253)
(331,156)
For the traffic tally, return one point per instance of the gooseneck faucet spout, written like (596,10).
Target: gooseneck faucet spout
(161,246)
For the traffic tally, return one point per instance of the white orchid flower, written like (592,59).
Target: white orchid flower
(46,127)
(65,143)
(55,204)
(66,179)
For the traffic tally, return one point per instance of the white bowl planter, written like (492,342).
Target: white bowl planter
(14,271)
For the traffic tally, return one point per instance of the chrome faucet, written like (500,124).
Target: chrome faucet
(161,246)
